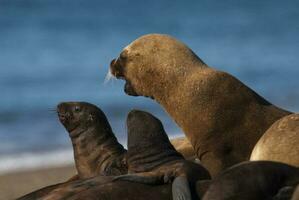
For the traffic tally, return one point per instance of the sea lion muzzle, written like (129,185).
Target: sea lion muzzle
(117,69)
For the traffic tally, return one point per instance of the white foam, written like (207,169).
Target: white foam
(55,158)
(27,161)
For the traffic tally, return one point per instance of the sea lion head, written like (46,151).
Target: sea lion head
(143,128)
(148,143)
(79,116)
(153,63)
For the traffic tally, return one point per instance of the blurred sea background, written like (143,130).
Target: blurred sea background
(60,50)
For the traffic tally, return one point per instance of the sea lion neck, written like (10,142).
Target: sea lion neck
(93,148)
(148,144)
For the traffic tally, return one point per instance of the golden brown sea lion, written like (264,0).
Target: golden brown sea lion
(222,118)
(96,149)
(280,142)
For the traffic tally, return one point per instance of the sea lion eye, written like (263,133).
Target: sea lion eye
(77,109)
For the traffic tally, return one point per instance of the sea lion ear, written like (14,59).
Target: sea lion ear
(90,118)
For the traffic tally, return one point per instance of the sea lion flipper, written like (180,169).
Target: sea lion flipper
(146,177)
(180,189)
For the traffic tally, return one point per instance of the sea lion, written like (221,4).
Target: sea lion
(104,188)
(280,142)
(222,117)
(96,149)
(151,157)
(153,160)
(258,180)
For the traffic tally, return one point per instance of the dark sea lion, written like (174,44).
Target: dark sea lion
(96,149)
(151,157)
(104,188)
(280,142)
(258,180)
(153,160)
(222,118)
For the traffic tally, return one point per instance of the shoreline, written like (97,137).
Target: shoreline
(18,183)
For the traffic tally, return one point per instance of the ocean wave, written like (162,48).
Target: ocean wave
(28,161)
(55,158)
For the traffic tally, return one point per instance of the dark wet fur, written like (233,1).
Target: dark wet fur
(259,180)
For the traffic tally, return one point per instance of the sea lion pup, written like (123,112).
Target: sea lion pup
(258,180)
(153,160)
(222,118)
(96,149)
(280,142)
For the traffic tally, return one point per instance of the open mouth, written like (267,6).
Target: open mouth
(117,70)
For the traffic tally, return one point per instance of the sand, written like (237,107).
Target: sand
(14,185)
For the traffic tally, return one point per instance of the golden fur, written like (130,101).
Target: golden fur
(280,142)
(222,118)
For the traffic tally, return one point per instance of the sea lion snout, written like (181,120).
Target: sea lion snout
(117,69)
(62,112)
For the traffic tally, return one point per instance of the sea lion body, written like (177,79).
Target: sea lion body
(259,180)
(153,160)
(96,149)
(104,188)
(280,142)
(222,118)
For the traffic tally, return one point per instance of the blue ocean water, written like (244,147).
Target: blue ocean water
(60,50)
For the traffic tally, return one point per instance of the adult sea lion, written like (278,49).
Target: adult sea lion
(153,160)
(96,149)
(222,118)
(280,142)
(258,180)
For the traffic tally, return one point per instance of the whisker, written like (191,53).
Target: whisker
(109,76)
(52,110)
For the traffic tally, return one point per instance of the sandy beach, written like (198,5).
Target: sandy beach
(16,184)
